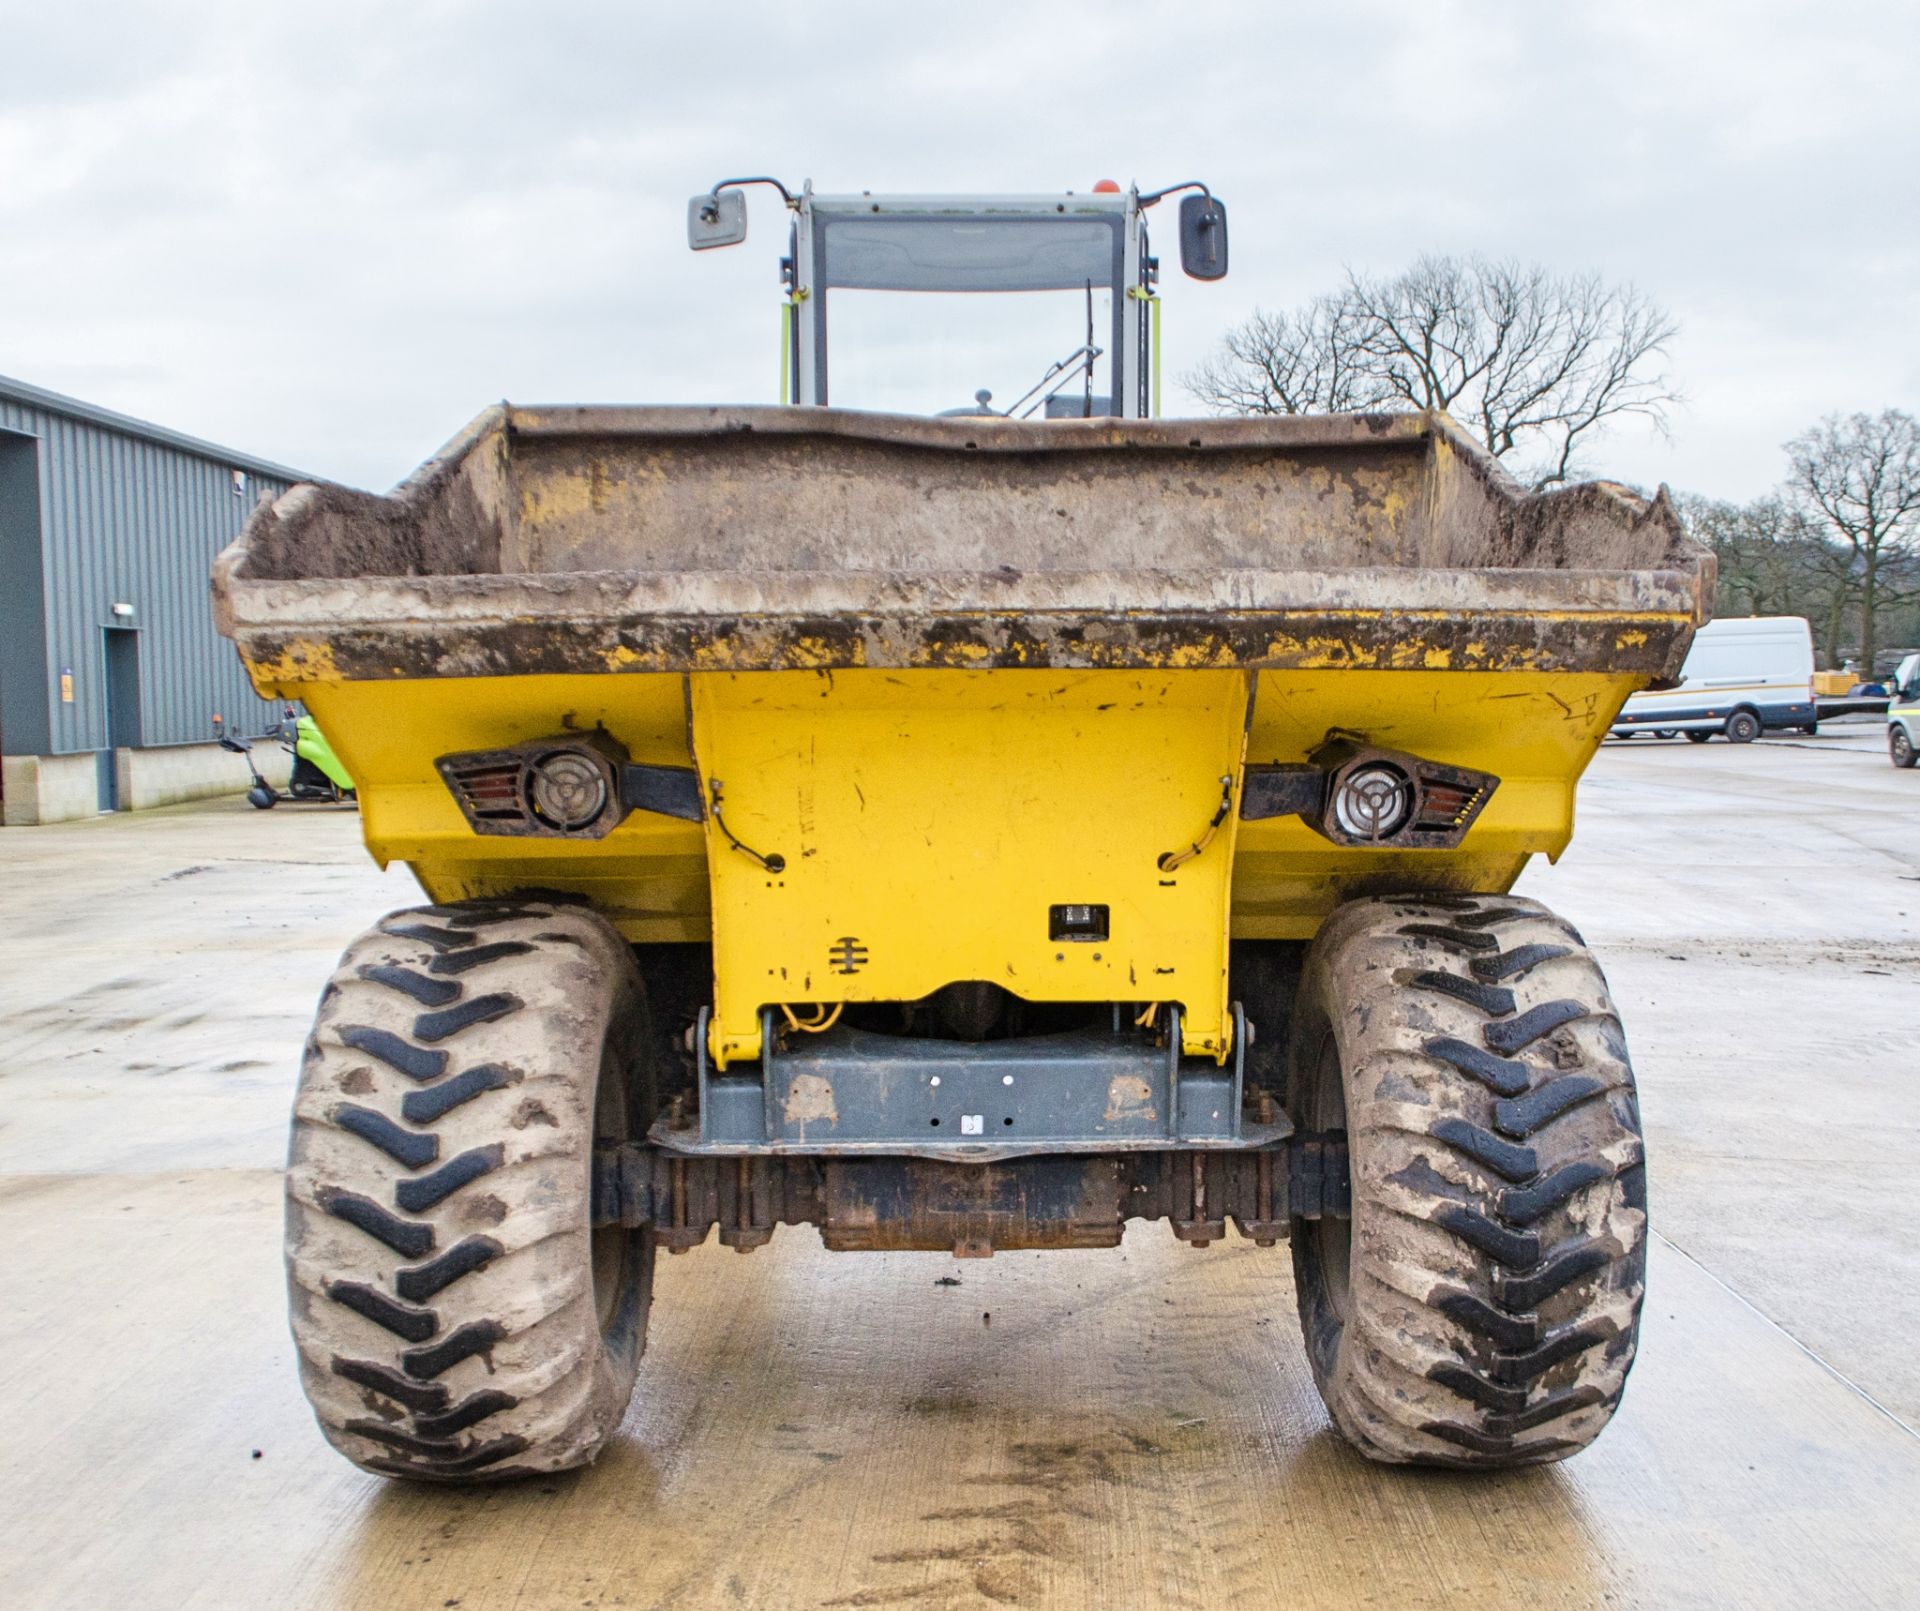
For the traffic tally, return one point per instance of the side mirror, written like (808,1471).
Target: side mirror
(1203,237)
(717,220)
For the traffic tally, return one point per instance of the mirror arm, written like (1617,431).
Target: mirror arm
(712,210)
(1171,190)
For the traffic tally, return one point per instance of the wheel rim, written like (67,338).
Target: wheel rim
(1332,1238)
(608,1242)
(1902,746)
(620,1260)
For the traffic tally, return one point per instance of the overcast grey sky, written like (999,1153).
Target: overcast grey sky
(330,234)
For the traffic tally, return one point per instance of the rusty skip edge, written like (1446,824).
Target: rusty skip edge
(976,434)
(1386,639)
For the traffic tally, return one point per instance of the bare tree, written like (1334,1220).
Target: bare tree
(1860,473)
(1310,362)
(1533,363)
(1774,559)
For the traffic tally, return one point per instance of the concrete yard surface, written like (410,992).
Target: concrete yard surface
(1130,1428)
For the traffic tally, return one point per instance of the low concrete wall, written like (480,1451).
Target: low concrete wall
(61,788)
(158,777)
(48,788)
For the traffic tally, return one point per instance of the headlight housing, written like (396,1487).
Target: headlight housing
(1371,798)
(570,786)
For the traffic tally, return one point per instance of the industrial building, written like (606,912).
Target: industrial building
(110,669)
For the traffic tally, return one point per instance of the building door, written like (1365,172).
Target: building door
(24,713)
(123,707)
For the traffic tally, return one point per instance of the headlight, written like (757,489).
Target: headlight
(1373,802)
(568,790)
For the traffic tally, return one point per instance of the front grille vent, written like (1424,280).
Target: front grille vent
(1446,805)
(488,791)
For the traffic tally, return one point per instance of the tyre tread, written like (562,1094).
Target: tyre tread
(438,1337)
(1505,1201)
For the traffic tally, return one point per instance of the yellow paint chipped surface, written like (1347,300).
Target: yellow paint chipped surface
(301,662)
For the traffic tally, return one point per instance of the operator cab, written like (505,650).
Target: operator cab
(1072,331)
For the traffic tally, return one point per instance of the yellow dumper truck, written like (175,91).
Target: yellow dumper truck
(963,833)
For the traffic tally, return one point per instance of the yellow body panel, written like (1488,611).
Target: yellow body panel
(928,821)
(934,817)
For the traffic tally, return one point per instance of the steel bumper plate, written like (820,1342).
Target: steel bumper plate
(849,1091)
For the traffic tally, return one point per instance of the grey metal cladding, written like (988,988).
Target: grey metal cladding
(127,513)
(39,399)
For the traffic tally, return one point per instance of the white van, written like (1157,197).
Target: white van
(1903,713)
(1743,677)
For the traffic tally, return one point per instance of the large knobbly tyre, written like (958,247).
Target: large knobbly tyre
(1481,1308)
(457,1315)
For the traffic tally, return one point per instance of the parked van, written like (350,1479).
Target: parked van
(1743,677)
(1903,713)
